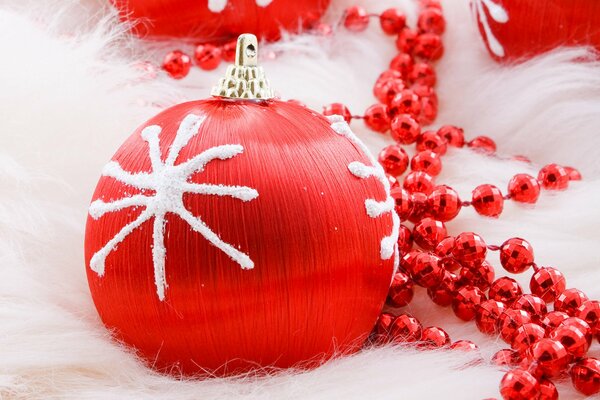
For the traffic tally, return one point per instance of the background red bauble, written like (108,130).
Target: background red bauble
(219,20)
(306,241)
(516,29)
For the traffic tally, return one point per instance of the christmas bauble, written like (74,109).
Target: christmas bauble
(231,233)
(219,20)
(517,29)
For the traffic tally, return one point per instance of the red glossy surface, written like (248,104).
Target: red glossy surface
(585,376)
(511,320)
(570,300)
(487,314)
(418,182)
(524,189)
(207,56)
(401,290)
(453,135)
(535,306)
(547,283)
(377,118)
(430,140)
(433,338)
(573,338)
(466,300)
(392,21)
(356,19)
(427,161)
(554,177)
(393,159)
(338,109)
(505,289)
(488,200)
(481,276)
(444,203)
(403,202)
(526,335)
(406,329)
(549,356)
(206,22)
(469,249)
(519,385)
(516,255)
(443,293)
(426,271)
(405,102)
(405,129)
(428,232)
(212,307)
(177,64)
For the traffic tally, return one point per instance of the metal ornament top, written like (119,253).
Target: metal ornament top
(245,79)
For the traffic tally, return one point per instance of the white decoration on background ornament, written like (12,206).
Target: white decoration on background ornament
(169,183)
(498,14)
(374,208)
(217,6)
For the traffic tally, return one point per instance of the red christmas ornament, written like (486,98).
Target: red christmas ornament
(505,289)
(547,283)
(569,301)
(488,200)
(201,251)
(515,29)
(429,232)
(219,20)
(585,376)
(550,357)
(444,203)
(469,249)
(433,338)
(524,188)
(519,385)
(516,255)
(406,329)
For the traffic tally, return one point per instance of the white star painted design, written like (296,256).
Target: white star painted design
(169,183)
(216,6)
(498,14)
(374,208)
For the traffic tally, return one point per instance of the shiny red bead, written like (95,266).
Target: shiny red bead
(429,232)
(444,251)
(547,283)
(207,56)
(590,313)
(487,314)
(553,319)
(426,271)
(393,159)
(419,207)
(423,74)
(387,75)
(427,161)
(549,356)
(429,46)
(526,335)
(570,300)
(453,135)
(573,338)
(511,320)
(406,329)
(483,144)
(406,40)
(392,21)
(524,188)
(574,175)
(385,90)
(403,203)
(506,357)
(405,129)
(516,255)
(407,261)
(465,302)
(553,177)
(177,64)
(506,290)
(431,141)
(444,203)
(228,51)
(429,110)
(469,249)
(581,325)
(338,109)
(585,376)
(405,239)
(417,181)
(382,326)
(488,200)
(356,19)
(547,390)
(403,63)
(433,338)
(377,119)
(405,102)
(481,276)
(401,290)
(534,305)
(519,384)
(432,20)
(464,345)
(443,293)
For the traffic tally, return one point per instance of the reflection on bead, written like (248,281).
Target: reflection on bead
(405,129)
(506,357)
(406,329)
(526,335)
(432,20)
(554,177)
(405,239)
(444,203)
(393,159)
(469,249)
(519,385)
(506,290)
(444,251)
(569,301)
(573,338)
(481,276)
(465,302)
(550,357)
(392,21)
(382,326)
(406,40)
(426,271)
(429,46)
(516,255)
(423,74)
(356,19)
(464,345)
(419,207)
(427,161)
(547,390)
(403,203)
(434,337)
(453,135)
(431,141)
(524,189)
(483,144)
(386,89)
(553,319)
(377,119)
(417,181)
(338,109)
(428,233)
(401,290)
(589,311)
(511,320)
(207,56)
(487,315)
(535,306)
(488,200)
(580,324)
(585,376)
(403,63)
(405,102)
(443,293)
(547,283)
(574,175)
(177,64)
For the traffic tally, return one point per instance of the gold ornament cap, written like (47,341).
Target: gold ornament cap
(245,79)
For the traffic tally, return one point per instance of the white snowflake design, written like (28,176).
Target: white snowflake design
(374,208)
(498,14)
(169,183)
(217,6)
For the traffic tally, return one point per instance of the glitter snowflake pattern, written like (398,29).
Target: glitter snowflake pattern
(169,183)
(374,208)
(498,14)
(217,6)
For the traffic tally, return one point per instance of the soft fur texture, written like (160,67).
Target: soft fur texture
(70,93)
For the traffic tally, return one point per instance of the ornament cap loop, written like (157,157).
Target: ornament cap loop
(245,79)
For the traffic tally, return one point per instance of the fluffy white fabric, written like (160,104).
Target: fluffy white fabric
(70,94)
